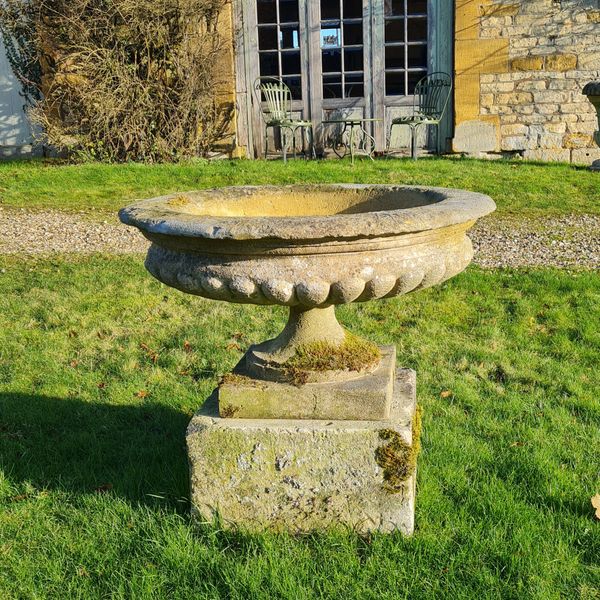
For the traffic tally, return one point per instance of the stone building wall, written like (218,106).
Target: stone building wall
(534,58)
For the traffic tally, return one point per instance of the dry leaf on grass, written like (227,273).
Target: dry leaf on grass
(445,394)
(596,505)
(151,354)
(104,488)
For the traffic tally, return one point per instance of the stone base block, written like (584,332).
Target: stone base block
(367,396)
(302,475)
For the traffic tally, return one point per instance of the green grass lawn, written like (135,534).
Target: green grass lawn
(97,385)
(526,189)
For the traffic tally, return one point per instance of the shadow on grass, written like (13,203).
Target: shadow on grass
(136,452)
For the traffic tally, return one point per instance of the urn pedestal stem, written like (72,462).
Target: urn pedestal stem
(304,327)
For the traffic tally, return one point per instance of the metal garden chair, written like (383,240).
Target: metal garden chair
(432,94)
(277,97)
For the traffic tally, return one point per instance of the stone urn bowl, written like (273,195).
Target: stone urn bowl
(308,247)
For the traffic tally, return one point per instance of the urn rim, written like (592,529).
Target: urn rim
(442,207)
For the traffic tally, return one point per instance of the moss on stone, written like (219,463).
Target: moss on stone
(354,354)
(180,200)
(228,411)
(397,458)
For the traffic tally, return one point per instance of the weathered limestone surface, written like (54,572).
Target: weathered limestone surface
(368,395)
(304,475)
(309,248)
(353,242)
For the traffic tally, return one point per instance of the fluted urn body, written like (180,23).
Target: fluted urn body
(307,247)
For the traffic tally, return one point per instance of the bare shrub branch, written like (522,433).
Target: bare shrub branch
(123,79)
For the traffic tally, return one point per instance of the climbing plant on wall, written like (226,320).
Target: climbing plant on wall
(17,29)
(120,79)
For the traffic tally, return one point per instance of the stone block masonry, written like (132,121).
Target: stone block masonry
(302,475)
(527,94)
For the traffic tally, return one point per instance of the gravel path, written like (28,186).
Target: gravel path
(570,241)
(49,231)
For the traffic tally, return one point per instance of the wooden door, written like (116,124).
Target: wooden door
(341,58)
(410,38)
(340,63)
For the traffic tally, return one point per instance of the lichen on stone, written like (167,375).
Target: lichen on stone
(397,458)
(239,379)
(354,354)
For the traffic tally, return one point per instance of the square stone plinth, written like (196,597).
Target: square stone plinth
(303,475)
(367,396)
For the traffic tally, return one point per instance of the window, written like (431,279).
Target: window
(342,48)
(405,45)
(279,42)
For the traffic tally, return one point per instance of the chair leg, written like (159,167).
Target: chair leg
(311,142)
(293,142)
(284,143)
(388,142)
(437,140)
(266,142)
(306,145)
(413,141)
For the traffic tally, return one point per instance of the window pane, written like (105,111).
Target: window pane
(269,65)
(406,38)
(330,9)
(332,86)
(295,85)
(354,87)
(352,9)
(267,11)
(394,57)
(394,84)
(413,79)
(393,8)
(289,37)
(288,11)
(417,30)
(394,31)
(331,37)
(290,63)
(332,61)
(353,59)
(417,57)
(353,34)
(417,7)
(267,38)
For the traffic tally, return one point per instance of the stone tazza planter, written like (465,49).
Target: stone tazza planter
(308,248)
(315,428)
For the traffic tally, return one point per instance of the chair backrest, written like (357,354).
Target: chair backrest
(277,97)
(432,94)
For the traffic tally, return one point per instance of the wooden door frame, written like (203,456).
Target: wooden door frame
(250,124)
